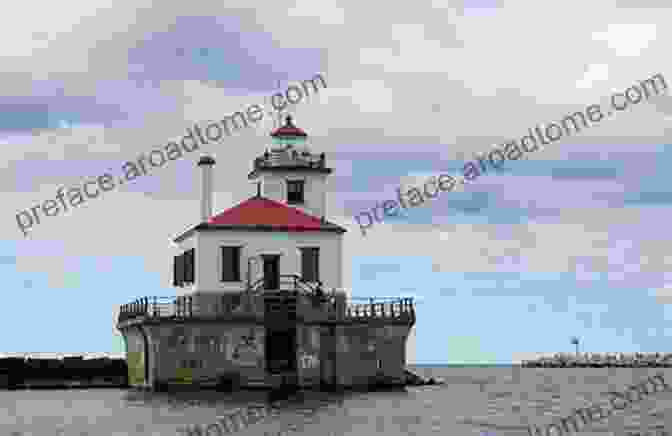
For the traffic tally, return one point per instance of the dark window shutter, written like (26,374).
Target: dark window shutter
(175,267)
(179,270)
(193,265)
(316,264)
(185,258)
(189,266)
(310,264)
(227,261)
(305,265)
(236,263)
(183,263)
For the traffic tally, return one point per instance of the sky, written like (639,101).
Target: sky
(568,241)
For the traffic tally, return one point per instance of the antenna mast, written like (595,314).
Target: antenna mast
(279,120)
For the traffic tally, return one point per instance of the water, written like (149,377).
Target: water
(496,401)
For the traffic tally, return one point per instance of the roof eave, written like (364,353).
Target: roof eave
(269,228)
(333,228)
(187,233)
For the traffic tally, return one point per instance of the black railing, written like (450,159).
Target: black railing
(335,308)
(309,161)
(287,282)
(158,307)
(381,307)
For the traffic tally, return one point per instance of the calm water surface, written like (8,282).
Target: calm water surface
(475,401)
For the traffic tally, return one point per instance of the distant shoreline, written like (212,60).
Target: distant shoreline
(593,365)
(462,365)
(64,384)
(67,373)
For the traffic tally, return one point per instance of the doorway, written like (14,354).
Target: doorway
(281,350)
(328,356)
(271,271)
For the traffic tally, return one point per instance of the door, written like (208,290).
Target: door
(280,350)
(328,355)
(271,271)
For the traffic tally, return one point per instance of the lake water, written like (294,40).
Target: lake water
(475,401)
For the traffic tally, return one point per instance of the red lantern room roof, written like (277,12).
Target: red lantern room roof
(288,130)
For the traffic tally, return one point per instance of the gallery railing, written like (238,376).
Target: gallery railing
(352,309)
(380,307)
(289,282)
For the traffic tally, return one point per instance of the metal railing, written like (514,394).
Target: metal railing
(380,307)
(270,160)
(291,282)
(158,307)
(349,309)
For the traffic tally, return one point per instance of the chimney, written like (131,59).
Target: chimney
(206,187)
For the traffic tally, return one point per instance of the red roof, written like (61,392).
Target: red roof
(289,129)
(260,211)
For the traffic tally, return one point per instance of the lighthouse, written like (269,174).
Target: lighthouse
(259,298)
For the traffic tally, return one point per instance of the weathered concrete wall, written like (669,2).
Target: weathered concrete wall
(216,303)
(392,350)
(308,354)
(135,356)
(355,355)
(365,352)
(327,355)
(194,351)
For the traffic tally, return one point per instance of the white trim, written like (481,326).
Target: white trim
(307,244)
(272,253)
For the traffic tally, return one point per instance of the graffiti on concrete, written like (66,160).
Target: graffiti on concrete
(308,361)
(247,350)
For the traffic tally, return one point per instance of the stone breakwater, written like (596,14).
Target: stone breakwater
(609,360)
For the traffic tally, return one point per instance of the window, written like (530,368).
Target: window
(180,270)
(295,191)
(230,264)
(183,268)
(310,264)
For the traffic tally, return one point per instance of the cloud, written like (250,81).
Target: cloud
(628,40)
(664,295)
